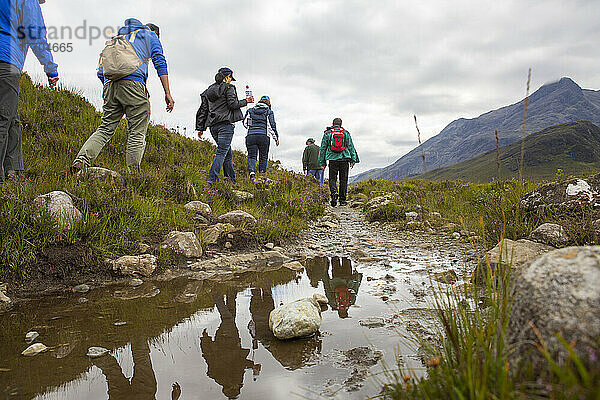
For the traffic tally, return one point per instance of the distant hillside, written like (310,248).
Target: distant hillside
(573,147)
(463,139)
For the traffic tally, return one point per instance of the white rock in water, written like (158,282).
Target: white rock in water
(298,319)
(31,336)
(34,350)
(320,298)
(81,288)
(95,352)
(136,282)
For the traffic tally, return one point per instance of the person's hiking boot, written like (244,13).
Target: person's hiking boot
(76,167)
(253,176)
(334,200)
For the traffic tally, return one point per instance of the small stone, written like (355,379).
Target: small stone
(144,248)
(199,208)
(228,245)
(82,300)
(120,323)
(95,352)
(329,225)
(184,243)
(294,266)
(241,195)
(3,287)
(448,277)
(269,246)
(372,322)
(31,336)
(412,215)
(301,318)
(136,282)
(143,265)
(320,298)
(34,350)
(237,218)
(230,236)
(456,235)
(83,288)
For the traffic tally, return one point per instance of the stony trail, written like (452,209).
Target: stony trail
(210,332)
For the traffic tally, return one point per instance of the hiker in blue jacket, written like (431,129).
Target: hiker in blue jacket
(22,27)
(260,122)
(129,96)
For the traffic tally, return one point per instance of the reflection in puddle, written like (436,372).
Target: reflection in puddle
(213,339)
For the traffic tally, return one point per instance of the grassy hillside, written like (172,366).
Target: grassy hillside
(570,149)
(144,208)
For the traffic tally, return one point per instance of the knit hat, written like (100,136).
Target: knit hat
(266,100)
(310,140)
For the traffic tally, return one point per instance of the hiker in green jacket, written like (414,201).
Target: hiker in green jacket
(310,161)
(338,149)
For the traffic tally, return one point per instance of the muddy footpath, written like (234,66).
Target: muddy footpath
(202,332)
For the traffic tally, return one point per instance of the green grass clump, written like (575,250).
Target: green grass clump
(141,208)
(387,213)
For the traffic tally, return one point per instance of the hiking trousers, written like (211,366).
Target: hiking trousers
(11,147)
(258,148)
(341,168)
(122,97)
(223,135)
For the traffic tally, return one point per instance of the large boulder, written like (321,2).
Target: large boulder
(550,234)
(143,265)
(569,195)
(557,293)
(60,206)
(237,218)
(212,234)
(199,207)
(99,174)
(301,318)
(184,243)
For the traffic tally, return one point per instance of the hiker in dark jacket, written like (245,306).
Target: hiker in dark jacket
(310,161)
(128,96)
(220,109)
(21,27)
(338,149)
(260,122)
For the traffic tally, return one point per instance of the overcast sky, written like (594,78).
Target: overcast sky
(373,63)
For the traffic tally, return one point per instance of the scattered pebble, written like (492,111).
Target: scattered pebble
(83,288)
(34,350)
(136,282)
(95,352)
(31,336)
(120,323)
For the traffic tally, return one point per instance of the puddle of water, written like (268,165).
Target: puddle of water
(212,339)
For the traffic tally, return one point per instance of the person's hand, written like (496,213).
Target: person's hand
(176,391)
(200,133)
(52,81)
(323,167)
(351,165)
(277,142)
(250,99)
(170,102)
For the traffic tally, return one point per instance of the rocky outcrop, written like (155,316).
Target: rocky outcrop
(563,196)
(143,265)
(183,243)
(99,174)
(60,206)
(199,207)
(557,293)
(550,234)
(237,218)
(301,318)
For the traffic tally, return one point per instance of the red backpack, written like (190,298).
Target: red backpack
(338,140)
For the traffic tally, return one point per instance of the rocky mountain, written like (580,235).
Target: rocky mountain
(463,139)
(573,147)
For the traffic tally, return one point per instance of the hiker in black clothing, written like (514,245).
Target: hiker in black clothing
(338,149)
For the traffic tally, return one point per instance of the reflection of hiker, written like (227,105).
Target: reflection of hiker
(315,268)
(341,290)
(338,149)
(260,122)
(143,383)
(128,96)
(224,355)
(310,161)
(21,27)
(219,110)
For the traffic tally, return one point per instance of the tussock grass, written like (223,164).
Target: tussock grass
(145,206)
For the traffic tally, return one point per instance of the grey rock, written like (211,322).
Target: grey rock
(228,245)
(63,350)
(5,303)
(31,336)
(99,174)
(569,195)
(34,350)
(269,246)
(456,235)
(550,234)
(198,207)
(557,293)
(412,215)
(516,253)
(136,282)
(184,243)
(329,225)
(120,323)
(143,265)
(83,288)
(320,298)
(237,218)
(301,318)
(82,300)
(241,195)
(448,277)
(212,234)
(95,352)
(372,322)
(294,266)
(59,205)
(3,287)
